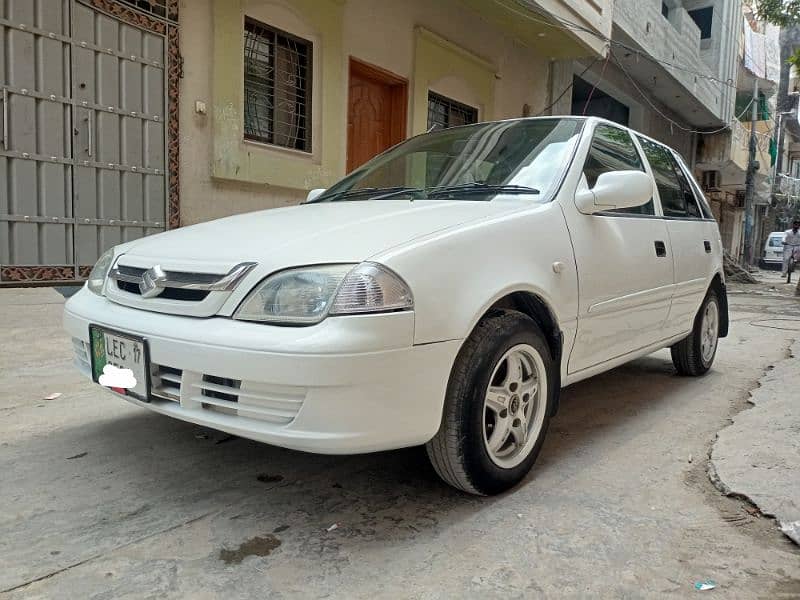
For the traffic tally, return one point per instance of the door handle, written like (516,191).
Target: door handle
(5,118)
(90,134)
(661,248)
(707,246)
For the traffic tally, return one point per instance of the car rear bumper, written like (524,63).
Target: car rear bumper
(348,385)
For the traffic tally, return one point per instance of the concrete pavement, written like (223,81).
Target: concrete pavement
(758,456)
(101,499)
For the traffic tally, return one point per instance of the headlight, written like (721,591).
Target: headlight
(97,276)
(306,296)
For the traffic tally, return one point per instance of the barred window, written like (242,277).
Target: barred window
(154,7)
(277,87)
(444,112)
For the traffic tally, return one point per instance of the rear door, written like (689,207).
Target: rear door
(693,236)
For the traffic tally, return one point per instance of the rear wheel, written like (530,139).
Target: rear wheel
(497,408)
(695,354)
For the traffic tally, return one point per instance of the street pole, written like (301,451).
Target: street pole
(749,183)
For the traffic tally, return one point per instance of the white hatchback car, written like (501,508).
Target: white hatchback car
(773,250)
(442,294)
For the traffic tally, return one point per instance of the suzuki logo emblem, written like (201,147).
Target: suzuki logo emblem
(150,286)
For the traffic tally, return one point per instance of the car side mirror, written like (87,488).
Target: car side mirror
(616,189)
(314,194)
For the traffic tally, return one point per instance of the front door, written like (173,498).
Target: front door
(624,260)
(376,117)
(82,139)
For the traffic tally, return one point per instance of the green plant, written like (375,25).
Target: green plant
(779,12)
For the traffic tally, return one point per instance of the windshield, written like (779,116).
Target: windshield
(475,162)
(776,242)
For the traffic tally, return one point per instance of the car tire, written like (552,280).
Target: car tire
(503,383)
(694,355)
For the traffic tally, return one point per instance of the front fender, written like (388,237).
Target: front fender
(456,276)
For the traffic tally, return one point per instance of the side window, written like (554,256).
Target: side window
(670,187)
(613,150)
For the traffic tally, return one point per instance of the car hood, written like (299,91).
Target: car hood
(309,233)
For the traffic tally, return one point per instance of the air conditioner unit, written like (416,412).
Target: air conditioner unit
(711,180)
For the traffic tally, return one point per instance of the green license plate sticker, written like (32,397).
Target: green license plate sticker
(98,352)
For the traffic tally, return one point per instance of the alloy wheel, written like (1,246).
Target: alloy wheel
(514,406)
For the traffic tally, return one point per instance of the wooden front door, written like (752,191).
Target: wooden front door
(376,116)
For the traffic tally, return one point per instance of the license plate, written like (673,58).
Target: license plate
(124,352)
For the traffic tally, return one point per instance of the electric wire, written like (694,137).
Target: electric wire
(566,89)
(598,82)
(672,121)
(571,26)
(565,24)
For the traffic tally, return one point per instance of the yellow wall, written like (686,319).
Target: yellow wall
(452,71)
(442,46)
(320,22)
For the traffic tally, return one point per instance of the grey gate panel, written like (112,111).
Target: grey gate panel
(35,169)
(118,83)
(82,160)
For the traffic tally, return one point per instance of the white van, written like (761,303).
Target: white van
(773,250)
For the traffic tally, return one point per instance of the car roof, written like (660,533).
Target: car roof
(586,119)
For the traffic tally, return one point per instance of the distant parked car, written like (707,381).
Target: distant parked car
(441,294)
(773,250)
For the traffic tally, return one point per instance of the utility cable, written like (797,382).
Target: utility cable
(566,89)
(673,122)
(594,87)
(571,26)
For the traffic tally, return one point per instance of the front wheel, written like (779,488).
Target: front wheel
(497,408)
(695,354)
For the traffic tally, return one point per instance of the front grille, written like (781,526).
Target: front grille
(223,388)
(167,294)
(165,382)
(274,404)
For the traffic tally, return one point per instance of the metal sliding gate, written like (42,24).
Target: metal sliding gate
(82,150)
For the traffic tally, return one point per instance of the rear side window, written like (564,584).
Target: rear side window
(613,150)
(677,198)
(702,201)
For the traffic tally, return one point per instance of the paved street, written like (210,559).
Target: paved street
(100,499)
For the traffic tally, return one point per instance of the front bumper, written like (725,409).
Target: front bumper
(347,385)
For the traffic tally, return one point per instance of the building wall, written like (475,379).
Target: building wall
(676,40)
(440,46)
(643,117)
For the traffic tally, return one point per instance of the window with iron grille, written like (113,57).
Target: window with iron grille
(444,112)
(277,87)
(154,7)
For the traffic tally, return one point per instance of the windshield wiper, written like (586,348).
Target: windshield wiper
(477,187)
(356,193)
(382,193)
(415,193)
